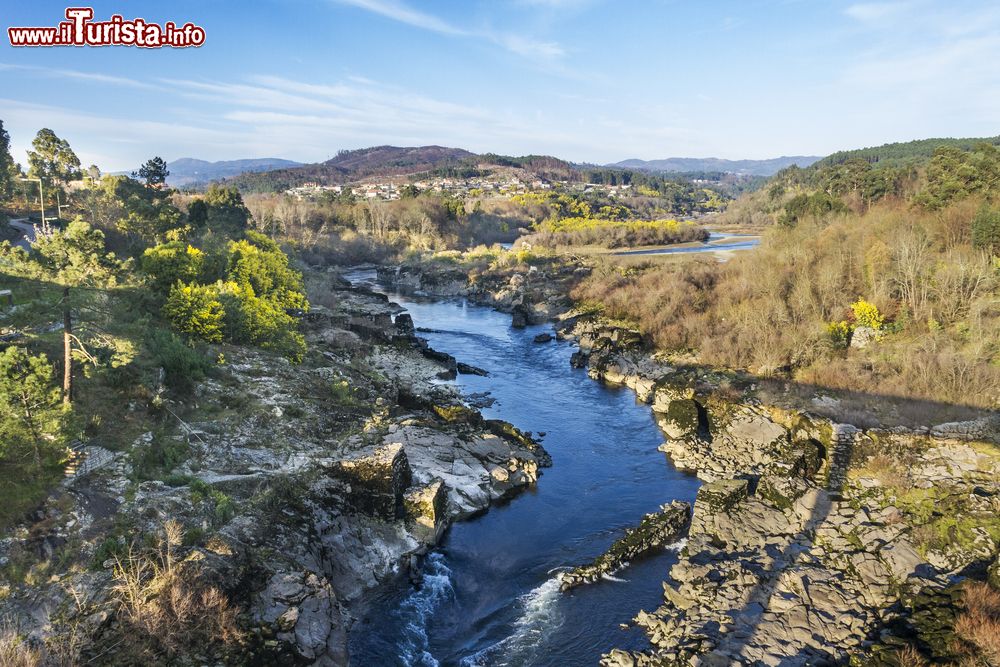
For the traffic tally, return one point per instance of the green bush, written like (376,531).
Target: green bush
(182,365)
(196,311)
(839,333)
(260,321)
(170,263)
(867,315)
(158,458)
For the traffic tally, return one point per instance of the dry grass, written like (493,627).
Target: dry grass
(910,657)
(888,471)
(15,653)
(978,625)
(767,310)
(167,610)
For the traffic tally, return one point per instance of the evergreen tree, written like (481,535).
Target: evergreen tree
(8,170)
(986,229)
(154,172)
(52,159)
(74,257)
(31,417)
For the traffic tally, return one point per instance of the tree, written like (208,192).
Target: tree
(149,214)
(74,257)
(31,418)
(8,171)
(52,159)
(154,172)
(986,229)
(221,210)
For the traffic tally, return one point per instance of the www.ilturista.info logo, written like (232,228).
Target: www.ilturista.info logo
(80,30)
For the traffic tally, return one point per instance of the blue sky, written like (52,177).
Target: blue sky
(586,80)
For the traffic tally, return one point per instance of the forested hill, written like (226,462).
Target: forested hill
(711,164)
(392,161)
(186,170)
(355,165)
(903,153)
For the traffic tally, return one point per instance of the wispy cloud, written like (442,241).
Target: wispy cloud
(868,12)
(397,11)
(519,44)
(78,75)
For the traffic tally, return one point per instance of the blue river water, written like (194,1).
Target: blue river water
(716,241)
(489,595)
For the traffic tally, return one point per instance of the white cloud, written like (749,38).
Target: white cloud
(519,44)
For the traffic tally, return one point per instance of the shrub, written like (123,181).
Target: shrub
(259,263)
(32,414)
(978,624)
(867,315)
(165,608)
(196,311)
(259,321)
(158,458)
(170,263)
(816,205)
(986,229)
(182,365)
(839,333)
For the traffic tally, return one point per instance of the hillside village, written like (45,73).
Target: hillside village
(491,186)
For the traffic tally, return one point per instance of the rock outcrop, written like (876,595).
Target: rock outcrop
(656,531)
(297,488)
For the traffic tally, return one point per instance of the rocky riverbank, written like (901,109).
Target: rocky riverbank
(291,489)
(814,539)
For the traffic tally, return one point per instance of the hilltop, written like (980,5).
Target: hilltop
(351,166)
(903,152)
(711,164)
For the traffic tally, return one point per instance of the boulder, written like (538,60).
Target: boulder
(404,324)
(519,317)
(425,508)
(468,369)
(862,337)
(378,481)
(681,419)
(303,612)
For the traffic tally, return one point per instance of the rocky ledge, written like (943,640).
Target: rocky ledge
(812,540)
(656,531)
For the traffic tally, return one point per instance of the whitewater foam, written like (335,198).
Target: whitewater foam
(540,615)
(419,607)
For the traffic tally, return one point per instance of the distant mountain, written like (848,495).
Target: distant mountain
(187,170)
(743,167)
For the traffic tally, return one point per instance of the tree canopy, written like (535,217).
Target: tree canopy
(52,160)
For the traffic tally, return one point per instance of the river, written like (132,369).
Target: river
(717,241)
(489,595)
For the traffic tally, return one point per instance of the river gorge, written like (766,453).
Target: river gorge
(489,594)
